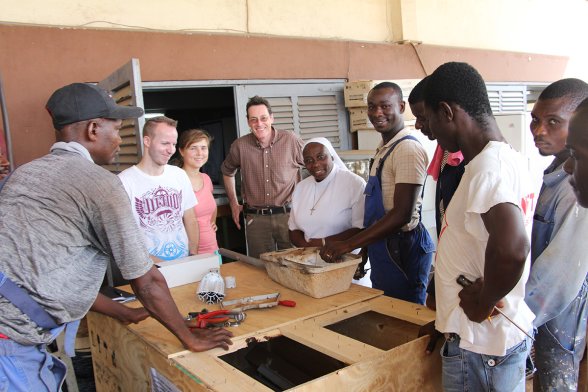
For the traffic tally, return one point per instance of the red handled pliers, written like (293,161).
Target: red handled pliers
(217,318)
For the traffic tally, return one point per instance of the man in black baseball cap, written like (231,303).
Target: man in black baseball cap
(81,101)
(87,115)
(62,220)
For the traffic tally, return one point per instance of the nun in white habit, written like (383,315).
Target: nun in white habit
(329,204)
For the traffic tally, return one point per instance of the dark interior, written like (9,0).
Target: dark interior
(281,363)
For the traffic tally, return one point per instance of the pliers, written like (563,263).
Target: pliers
(217,318)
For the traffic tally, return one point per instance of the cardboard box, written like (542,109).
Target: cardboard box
(356,91)
(188,269)
(358,119)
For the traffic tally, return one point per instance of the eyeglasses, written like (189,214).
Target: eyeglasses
(255,120)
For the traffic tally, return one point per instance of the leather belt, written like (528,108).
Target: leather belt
(267,210)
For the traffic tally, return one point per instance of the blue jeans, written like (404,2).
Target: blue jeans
(464,370)
(29,368)
(559,347)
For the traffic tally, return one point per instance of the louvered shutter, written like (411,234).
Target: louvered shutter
(125,86)
(308,109)
(319,117)
(506,98)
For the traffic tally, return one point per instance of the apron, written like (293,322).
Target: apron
(401,262)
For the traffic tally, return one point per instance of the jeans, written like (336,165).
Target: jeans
(559,347)
(464,370)
(266,233)
(29,368)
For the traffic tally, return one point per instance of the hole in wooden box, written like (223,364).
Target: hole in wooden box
(281,363)
(377,329)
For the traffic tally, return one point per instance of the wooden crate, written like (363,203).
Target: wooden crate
(125,357)
(405,367)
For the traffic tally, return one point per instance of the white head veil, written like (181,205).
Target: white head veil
(325,142)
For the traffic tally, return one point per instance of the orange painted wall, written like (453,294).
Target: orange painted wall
(34,61)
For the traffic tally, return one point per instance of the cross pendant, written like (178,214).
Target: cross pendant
(311,210)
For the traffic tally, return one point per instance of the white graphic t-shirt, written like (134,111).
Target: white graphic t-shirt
(158,204)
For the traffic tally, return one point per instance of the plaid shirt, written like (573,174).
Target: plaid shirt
(269,174)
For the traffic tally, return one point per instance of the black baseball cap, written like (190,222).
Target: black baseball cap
(82,101)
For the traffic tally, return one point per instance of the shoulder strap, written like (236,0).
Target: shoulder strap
(23,301)
(20,298)
(383,159)
(381,165)
(4,180)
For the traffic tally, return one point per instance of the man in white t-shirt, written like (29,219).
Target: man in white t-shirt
(483,238)
(161,195)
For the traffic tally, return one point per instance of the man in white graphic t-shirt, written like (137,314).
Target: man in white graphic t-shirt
(161,195)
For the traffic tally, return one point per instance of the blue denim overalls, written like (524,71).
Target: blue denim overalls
(401,262)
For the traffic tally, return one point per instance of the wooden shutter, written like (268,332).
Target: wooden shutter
(125,86)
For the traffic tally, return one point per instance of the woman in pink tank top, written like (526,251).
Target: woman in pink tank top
(193,145)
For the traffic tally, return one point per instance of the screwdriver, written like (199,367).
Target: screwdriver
(465,282)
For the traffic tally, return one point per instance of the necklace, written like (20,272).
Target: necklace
(319,199)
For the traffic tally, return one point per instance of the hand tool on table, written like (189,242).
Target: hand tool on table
(241,257)
(216,318)
(465,282)
(257,302)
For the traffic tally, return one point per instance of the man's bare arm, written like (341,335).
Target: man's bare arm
(506,253)
(231,191)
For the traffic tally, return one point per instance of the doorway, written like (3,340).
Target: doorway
(211,109)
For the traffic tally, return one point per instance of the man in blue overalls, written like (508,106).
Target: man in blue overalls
(399,247)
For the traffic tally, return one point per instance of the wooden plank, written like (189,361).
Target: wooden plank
(405,368)
(328,342)
(219,375)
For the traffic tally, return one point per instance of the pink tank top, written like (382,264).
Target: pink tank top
(204,209)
